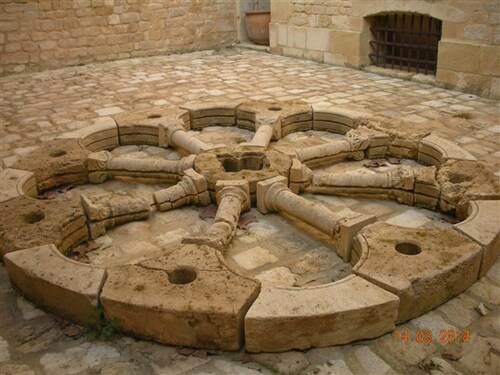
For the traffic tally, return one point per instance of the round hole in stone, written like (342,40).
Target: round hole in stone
(274,108)
(33,217)
(182,276)
(408,248)
(57,153)
(154,115)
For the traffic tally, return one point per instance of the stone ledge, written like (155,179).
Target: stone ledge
(67,288)
(188,297)
(16,183)
(483,226)
(436,151)
(299,318)
(423,267)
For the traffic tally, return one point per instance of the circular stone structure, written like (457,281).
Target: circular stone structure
(189,294)
(249,163)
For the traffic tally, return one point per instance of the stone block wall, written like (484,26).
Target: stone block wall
(337,32)
(40,34)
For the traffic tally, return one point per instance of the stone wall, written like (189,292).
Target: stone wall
(337,32)
(42,34)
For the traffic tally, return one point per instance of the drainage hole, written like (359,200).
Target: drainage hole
(57,153)
(154,115)
(34,217)
(182,276)
(274,108)
(408,248)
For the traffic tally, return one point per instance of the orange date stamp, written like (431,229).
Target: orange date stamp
(426,336)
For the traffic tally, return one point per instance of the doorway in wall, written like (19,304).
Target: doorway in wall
(405,41)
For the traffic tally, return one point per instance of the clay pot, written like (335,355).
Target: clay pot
(257,24)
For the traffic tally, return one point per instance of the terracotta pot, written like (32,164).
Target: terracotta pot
(257,24)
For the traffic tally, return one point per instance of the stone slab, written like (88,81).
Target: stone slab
(483,226)
(188,297)
(27,223)
(423,267)
(55,163)
(332,314)
(15,183)
(436,150)
(69,289)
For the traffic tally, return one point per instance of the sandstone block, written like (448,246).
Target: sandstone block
(15,183)
(188,297)
(483,226)
(67,288)
(332,314)
(27,223)
(423,267)
(436,151)
(55,163)
(461,57)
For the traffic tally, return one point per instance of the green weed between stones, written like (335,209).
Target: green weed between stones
(99,328)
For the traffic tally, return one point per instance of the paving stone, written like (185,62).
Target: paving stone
(4,350)
(28,310)
(279,276)
(74,360)
(14,369)
(254,258)
(289,363)
(409,219)
(371,363)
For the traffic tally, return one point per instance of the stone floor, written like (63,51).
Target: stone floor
(40,106)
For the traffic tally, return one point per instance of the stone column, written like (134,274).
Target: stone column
(265,127)
(274,195)
(351,146)
(103,165)
(397,183)
(192,189)
(177,136)
(233,197)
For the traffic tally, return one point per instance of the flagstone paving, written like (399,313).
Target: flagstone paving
(40,106)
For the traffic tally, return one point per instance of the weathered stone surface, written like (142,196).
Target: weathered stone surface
(290,363)
(336,119)
(102,135)
(203,114)
(84,358)
(27,222)
(188,297)
(274,195)
(65,287)
(108,210)
(462,181)
(436,151)
(404,138)
(56,163)
(483,226)
(192,189)
(293,115)
(233,197)
(423,267)
(15,183)
(143,127)
(241,163)
(331,314)
(103,165)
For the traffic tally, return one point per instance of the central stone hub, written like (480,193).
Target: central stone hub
(236,162)
(241,163)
